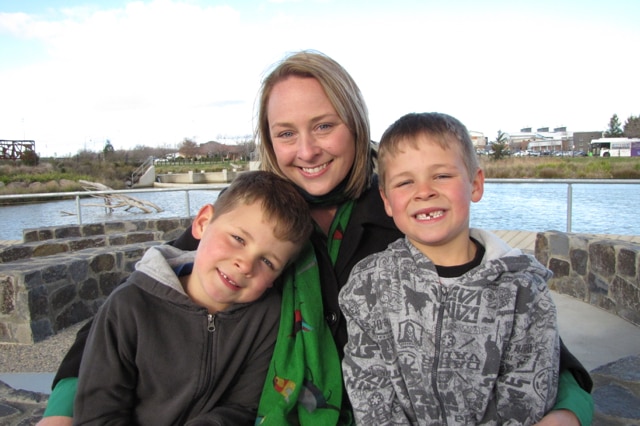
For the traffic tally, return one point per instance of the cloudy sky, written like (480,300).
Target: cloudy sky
(74,73)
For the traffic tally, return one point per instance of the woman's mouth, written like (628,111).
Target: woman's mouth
(315,170)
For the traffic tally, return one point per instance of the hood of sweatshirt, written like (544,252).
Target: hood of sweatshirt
(499,259)
(159,263)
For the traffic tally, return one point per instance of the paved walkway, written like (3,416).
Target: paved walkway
(608,346)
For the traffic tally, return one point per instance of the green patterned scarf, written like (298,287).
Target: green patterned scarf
(304,382)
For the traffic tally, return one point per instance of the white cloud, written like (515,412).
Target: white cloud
(154,72)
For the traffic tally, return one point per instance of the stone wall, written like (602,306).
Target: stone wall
(60,276)
(600,271)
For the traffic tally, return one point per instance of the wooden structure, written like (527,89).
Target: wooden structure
(15,149)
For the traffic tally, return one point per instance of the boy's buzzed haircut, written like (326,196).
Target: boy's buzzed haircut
(443,128)
(280,200)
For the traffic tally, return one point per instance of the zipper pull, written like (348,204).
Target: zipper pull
(211,326)
(442,293)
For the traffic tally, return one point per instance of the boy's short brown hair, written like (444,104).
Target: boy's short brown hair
(444,129)
(280,201)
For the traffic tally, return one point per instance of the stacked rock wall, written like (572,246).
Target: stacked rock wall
(60,276)
(595,269)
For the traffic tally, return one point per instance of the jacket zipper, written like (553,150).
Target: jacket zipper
(211,325)
(442,296)
(204,381)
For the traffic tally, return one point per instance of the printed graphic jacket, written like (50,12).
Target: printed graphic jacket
(482,348)
(159,358)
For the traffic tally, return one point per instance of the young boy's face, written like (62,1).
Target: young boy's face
(428,193)
(238,257)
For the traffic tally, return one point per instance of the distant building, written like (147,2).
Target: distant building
(479,140)
(582,140)
(541,140)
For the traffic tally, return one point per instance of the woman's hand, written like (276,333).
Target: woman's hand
(557,418)
(55,421)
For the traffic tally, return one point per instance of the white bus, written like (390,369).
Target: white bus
(616,147)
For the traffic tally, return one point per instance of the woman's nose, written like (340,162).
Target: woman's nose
(307,147)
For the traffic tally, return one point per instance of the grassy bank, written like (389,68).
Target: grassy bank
(63,176)
(561,168)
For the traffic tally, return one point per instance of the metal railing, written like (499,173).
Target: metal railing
(85,194)
(186,189)
(569,183)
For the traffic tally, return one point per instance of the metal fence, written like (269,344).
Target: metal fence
(186,189)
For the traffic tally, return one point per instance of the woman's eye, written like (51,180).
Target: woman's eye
(285,135)
(325,126)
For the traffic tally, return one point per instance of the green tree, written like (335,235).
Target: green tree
(632,127)
(614,130)
(500,146)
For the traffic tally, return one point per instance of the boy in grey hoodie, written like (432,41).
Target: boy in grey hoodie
(448,325)
(188,338)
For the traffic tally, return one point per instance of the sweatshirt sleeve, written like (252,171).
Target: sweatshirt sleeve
(366,371)
(107,380)
(528,380)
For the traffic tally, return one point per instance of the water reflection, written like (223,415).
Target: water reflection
(597,208)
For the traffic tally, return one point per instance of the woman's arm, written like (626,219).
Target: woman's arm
(574,405)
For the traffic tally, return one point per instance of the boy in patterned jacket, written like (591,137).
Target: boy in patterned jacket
(448,325)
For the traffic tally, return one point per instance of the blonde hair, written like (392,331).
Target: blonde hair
(345,97)
(446,130)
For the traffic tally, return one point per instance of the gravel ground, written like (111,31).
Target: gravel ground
(41,357)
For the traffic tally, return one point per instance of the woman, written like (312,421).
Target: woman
(313,129)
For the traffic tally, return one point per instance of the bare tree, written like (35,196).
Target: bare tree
(188,148)
(246,147)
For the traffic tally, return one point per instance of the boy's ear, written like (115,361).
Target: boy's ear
(477,186)
(202,220)
(387,207)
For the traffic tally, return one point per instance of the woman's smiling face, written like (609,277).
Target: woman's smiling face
(314,148)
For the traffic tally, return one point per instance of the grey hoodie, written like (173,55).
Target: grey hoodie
(482,348)
(154,357)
